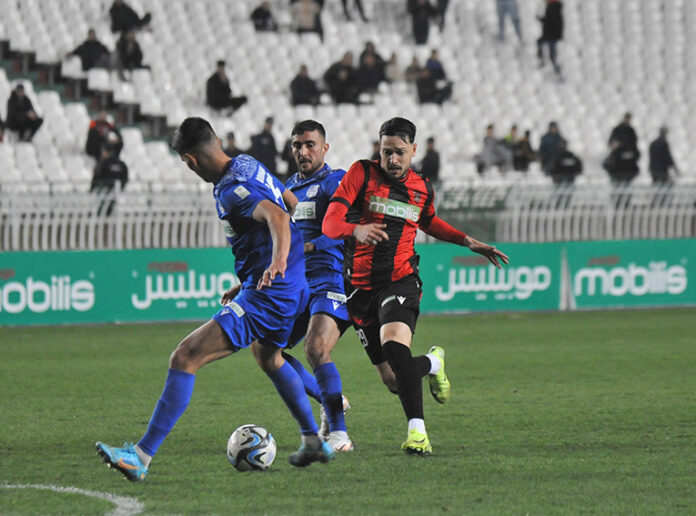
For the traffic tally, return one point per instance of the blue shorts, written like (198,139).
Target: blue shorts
(265,315)
(328,298)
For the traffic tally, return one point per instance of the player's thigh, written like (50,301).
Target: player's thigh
(203,345)
(322,332)
(396,331)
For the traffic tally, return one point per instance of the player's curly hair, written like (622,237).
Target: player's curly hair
(404,129)
(191,135)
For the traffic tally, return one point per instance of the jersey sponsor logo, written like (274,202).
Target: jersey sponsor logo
(392,208)
(241,192)
(312,191)
(305,210)
(336,296)
(227,228)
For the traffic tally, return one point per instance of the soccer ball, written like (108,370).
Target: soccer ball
(251,447)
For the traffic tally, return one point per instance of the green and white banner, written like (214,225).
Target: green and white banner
(180,284)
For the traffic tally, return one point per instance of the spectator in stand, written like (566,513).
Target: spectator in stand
(551,145)
(289,158)
(375,151)
(2,130)
(92,52)
(109,171)
(551,32)
(21,116)
(340,79)
(508,8)
(493,153)
(625,135)
(303,89)
(219,93)
(441,13)
(129,54)
(369,75)
(125,19)
(565,167)
(263,146)
(437,71)
(100,131)
(421,13)
(231,148)
(392,70)
(430,165)
(524,153)
(429,91)
(620,164)
(661,160)
(306,16)
(358,4)
(370,50)
(263,20)
(413,71)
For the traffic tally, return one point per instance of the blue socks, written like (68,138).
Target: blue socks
(330,386)
(310,383)
(173,402)
(289,385)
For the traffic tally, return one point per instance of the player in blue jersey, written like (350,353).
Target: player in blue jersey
(269,262)
(326,317)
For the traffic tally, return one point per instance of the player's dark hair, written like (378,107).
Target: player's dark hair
(404,129)
(191,135)
(307,126)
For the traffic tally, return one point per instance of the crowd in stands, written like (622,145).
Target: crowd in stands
(347,82)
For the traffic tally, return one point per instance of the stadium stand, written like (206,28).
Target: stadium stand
(616,57)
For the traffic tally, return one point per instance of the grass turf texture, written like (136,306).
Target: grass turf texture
(558,413)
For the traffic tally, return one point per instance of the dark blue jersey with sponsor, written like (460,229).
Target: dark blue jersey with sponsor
(246,183)
(313,194)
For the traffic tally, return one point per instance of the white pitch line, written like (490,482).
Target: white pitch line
(125,505)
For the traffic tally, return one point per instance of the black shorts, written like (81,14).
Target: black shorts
(372,309)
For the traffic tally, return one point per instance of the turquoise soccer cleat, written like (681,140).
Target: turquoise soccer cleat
(125,460)
(306,455)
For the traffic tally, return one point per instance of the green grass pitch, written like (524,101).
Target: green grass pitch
(555,413)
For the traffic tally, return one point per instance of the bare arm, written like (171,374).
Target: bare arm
(278,223)
(290,201)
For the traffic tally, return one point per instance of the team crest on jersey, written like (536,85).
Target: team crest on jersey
(312,191)
(416,197)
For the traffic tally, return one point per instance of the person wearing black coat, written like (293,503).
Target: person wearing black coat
(218,93)
(303,89)
(661,159)
(21,116)
(92,52)
(551,32)
(263,147)
(421,13)
(124,18)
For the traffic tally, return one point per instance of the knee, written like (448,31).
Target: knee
(182,357)
(317,351)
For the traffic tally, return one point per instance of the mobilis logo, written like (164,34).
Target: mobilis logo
(636,280)
(59,293)
(400,210)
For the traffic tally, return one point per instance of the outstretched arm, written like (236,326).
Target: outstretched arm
(335,226)
(278,223)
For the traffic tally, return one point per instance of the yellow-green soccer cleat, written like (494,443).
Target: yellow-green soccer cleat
(417,443)
(439,384)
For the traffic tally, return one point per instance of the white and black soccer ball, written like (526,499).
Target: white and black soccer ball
(251,447)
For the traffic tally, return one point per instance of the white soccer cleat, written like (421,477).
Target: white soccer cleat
(340,442)
(324,428)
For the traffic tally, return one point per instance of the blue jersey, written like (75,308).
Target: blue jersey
(246,183)
(314,194)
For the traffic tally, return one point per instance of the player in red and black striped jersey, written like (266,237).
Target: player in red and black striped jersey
(378,208)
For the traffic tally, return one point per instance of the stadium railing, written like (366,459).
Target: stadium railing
(158,218)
